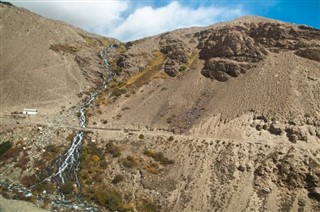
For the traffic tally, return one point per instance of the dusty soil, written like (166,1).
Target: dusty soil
(17,206)
(45,64)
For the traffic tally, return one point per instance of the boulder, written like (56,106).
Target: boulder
(275,129)
(241,168)
(295,133)
(259,127)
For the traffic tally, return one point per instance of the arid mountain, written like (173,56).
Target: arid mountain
(220,118)
(44,63)
(251,65)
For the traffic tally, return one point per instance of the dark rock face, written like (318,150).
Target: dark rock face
(233,44)
(309,53)
(221,70)
(170,68)
(122,62)
(176,54)
(250,44)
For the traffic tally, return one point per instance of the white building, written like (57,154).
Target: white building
(30,111)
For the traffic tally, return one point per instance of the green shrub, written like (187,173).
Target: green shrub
(182,68)
(109,199)
(129,162)
(113,149)
(45,185)
(158,156)
(117,70)
(141,136)
(148,153)
(170,138)
(94,150)
(5,146)
(118,91)
(117,179)
(146,206)
(67,187)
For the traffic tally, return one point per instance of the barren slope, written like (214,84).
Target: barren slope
(44,63)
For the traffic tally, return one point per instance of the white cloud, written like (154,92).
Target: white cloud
(126,20)
(95,16)
(146,21)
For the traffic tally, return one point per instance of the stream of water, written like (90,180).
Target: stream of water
(69,162)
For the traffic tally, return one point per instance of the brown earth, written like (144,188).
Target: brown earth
(45,63)
(221,118)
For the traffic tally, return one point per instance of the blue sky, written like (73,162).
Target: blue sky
(133,19)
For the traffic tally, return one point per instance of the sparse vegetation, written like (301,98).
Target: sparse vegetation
(108,198)
(95,158)
(141,136)
(64,48)
(150,72)
(129,162)
(151,170)
(118,91)
(5,146)
(48,186)
(70,136)
(28,180)
(94,41)
(23,161)
(182,68)
(67,187)
(12,153)
(146,206)
(117,179)
(114,150)
(158,156)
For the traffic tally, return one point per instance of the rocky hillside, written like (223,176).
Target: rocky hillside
(182,79)
(220,118)
(243,95)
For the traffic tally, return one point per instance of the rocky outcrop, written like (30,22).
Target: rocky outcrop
(295,133)
(288,170)
(176,55)
(312,53)
(232,43)
(122,61)
(250,44)
(222,69)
